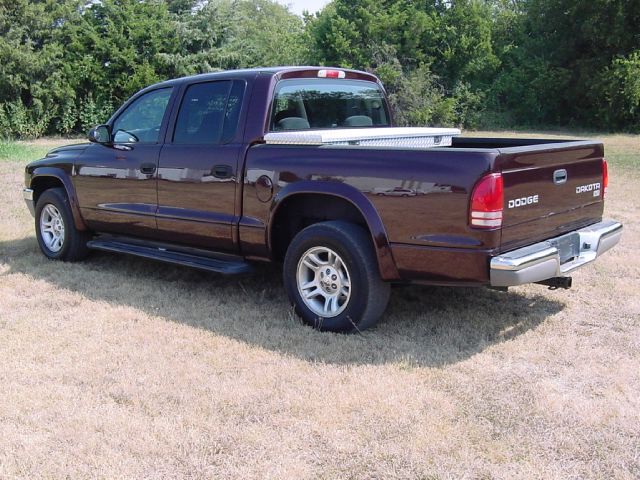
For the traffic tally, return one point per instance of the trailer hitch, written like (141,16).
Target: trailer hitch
(557,282)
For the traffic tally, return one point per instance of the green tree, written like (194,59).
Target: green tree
(122,43)
(227,34)
(561,57)
(32,83)
(438,54)
(65,64)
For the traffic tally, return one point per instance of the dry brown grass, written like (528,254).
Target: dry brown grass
(124,368)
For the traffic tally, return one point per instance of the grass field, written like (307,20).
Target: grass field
(124,368)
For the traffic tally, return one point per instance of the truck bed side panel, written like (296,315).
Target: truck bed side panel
(421,196)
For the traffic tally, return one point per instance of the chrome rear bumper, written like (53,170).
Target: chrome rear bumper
(555,257)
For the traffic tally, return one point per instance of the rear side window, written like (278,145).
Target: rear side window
(209,113)
(328,103)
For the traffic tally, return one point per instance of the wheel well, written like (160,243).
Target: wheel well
(40,184)
(301,210)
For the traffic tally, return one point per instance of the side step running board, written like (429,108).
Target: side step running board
(228,266)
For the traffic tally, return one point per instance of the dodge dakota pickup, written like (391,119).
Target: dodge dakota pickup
(303,166)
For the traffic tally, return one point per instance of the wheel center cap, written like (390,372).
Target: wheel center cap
(330,280)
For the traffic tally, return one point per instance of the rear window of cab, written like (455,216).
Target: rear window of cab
(301,104)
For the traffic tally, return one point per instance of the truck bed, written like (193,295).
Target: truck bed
(422,195)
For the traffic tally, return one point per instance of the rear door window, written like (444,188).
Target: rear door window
(209,113)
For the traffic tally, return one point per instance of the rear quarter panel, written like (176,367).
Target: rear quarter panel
(435,183)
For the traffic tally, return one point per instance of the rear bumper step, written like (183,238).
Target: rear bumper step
(555,257)
(227,266)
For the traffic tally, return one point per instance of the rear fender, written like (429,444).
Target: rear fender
(386,263)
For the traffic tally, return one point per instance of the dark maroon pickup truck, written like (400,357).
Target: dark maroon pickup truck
(302,165)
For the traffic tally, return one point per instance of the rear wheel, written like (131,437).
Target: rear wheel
(331,277)
(57,235)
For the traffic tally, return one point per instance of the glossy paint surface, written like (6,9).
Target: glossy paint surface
(414,202)
(559,208)
(113,192)
(59,164)
(196,194)
(434,215)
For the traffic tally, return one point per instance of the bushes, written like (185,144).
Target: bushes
(68,118)
(419,99)
(433,57)
(92,113)
(18,121)
(617,93)
(65,64)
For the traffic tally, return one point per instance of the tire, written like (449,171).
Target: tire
(55,230)
(334,265)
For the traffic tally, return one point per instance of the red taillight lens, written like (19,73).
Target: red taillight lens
(605,177)
(487,202)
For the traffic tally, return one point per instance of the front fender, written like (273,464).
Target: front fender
(65,179)
(386,263)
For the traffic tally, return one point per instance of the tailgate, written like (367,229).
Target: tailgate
(550,189)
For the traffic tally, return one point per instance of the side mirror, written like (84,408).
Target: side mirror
(100,134)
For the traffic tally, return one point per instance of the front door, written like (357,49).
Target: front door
(198,167)
(116,184)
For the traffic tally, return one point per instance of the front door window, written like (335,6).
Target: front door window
(141,121)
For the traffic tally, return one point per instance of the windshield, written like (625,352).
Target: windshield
(301,104)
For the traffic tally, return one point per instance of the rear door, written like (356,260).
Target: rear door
(198,167)
(550,190)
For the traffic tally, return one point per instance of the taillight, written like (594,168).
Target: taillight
(605,177)
(331,74)
(487,202)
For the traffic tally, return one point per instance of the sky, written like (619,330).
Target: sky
(297,6)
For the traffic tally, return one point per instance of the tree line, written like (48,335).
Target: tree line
(65,65)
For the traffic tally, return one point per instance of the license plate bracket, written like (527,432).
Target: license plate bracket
(568,246)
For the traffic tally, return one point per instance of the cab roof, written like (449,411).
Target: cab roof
(281,72)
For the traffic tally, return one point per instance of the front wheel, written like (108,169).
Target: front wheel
(57,235)
(331,277)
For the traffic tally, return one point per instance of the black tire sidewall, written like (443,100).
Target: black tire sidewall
(58,199)
(316,236)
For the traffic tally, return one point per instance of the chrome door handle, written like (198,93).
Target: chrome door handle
(221,171)
(148,168)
